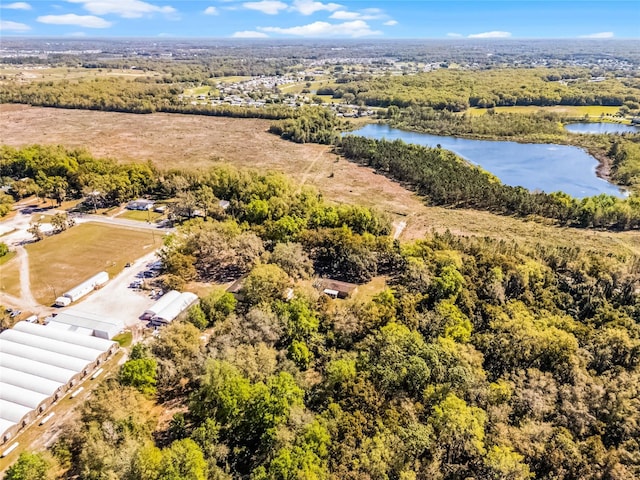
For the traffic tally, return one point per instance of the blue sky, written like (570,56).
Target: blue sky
(320,19)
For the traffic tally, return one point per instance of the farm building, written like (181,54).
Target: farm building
(163,302)
(336,288)
(140,204)
(175,308)
(87,324)
(38,365)
(83,289)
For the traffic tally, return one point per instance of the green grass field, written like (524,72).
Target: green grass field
(139,215)
(62,261)
(192,92)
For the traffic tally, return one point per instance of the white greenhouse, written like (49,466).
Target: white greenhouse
(38,365)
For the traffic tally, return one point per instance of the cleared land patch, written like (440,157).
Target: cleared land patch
(62,261)
(189,141)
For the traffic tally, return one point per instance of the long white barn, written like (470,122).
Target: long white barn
(38,365)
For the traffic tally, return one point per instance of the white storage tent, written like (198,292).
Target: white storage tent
(5,426)
(51,345)
(175,308)
(21,396)
(44,356)
(65,336)
(32,367)
(28,381)
(12,412)
(161,304)
(37,365)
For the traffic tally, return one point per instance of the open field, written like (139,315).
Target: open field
(140,216)
(592,111)
(192,92)
(231,79)
(197,141)
(62,261)
(41,74)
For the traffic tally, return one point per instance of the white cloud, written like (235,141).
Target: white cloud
(77,34)
(390,23)
(454,35)
(211,11)
(17,6)
(269,7)
(357,28)
(598,35)
(365,14)
(88,21)
(343,15)
(124,8)
(8,26)
(309,7)
(249,34)
(493,34)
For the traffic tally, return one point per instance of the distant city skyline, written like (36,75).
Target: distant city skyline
(282,19)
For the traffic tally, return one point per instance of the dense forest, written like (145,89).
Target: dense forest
(457,90)
(478,359)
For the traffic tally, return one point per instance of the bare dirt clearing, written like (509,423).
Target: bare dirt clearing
(198,141)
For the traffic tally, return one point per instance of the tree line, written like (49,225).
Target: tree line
(143,95)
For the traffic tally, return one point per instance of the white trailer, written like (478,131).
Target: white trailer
(85,287)
(63,301)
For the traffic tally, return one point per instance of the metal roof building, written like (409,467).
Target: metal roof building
(38,364)
(175,308)
(87,324)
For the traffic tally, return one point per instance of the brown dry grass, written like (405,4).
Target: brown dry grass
(62,261)
(197,141)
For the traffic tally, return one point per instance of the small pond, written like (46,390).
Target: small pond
(545,167)
(602,127)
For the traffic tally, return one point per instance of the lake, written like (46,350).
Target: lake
(601,128)
(545,167)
